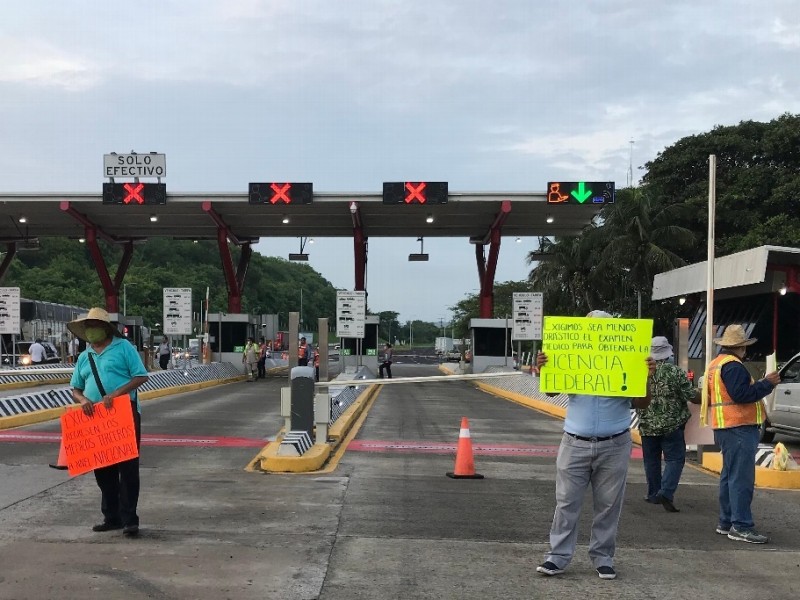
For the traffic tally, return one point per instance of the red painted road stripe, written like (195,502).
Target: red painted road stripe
(148,439)
(419,447)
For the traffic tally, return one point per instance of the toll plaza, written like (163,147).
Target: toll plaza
(381,520)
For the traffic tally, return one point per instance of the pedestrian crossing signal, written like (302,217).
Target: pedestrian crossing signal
(134,193)
(281,193)
(415,192)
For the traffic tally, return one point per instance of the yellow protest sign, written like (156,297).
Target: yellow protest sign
(597,357)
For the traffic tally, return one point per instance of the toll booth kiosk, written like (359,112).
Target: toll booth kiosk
(349,356)
(491,343)
(228,333)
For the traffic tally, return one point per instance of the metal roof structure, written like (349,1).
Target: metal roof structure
(189,216)
(754,271)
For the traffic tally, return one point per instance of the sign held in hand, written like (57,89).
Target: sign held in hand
(106,438)
(596,357)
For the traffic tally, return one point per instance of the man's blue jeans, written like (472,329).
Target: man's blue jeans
(673,446)
(738,477)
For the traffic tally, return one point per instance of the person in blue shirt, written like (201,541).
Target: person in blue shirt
(595,450)
(120,371)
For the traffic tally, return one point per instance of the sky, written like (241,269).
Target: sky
(489,96)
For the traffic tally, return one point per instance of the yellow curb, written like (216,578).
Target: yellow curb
(765,477)
(540,405)
(49,414)
(314,459)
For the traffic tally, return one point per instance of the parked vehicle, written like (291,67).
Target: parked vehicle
(783,405)
(51,354)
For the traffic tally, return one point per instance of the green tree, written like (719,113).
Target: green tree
(469,308)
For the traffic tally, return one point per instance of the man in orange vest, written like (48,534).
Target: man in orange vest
(302,353)
(735,404)
(316,363)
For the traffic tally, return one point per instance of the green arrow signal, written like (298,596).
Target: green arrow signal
(582,194)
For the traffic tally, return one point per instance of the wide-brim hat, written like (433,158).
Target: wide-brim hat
(95,316)
(734,336)
(660,348)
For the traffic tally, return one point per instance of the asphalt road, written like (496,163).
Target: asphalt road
(386,523)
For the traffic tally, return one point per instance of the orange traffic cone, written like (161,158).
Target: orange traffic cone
(465,463)
(61,463)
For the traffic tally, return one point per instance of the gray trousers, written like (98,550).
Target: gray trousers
(605,466)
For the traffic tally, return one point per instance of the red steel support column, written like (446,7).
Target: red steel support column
(109,289)
(234,279)
(11,252)
(486,269)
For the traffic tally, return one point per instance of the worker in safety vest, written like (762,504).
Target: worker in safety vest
(737,411)
(303,353)
(316,363)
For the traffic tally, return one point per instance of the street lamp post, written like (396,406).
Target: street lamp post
(125,298)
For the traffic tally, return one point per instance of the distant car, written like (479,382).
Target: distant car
(783,405)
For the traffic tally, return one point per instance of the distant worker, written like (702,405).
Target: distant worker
(37,352)
(250,359)
(74,349)
(303,353)
(737,412)
(386,361)
(262,359)
(316,363)
(164,353)
(661,425)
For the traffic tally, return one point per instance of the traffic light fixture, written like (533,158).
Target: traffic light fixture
(580,192)
(415,192)
(134,193)
(281,193)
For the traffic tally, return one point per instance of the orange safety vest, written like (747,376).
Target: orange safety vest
(726,413)
(316,358)
(301,350)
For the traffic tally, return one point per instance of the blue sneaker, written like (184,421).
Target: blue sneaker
(751,536)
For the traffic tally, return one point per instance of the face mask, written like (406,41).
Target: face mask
(95,335)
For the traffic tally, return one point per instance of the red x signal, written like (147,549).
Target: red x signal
(280,193)
(134,193)
(415,193)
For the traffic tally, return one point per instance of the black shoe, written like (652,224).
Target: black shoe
(130,530)
(652,499)
(106,526)
(549,569)
(668,505)
(606,572)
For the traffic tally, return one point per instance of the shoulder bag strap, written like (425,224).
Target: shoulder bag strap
(96,375)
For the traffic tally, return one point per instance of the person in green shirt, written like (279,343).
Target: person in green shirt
(661,425)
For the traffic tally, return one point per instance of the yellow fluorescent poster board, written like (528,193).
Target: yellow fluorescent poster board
(598,357)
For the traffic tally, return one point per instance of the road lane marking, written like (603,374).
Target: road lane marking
(147,440)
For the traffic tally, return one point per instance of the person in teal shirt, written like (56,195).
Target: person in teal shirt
(120,371)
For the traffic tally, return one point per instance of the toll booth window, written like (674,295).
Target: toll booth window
(233,334)
(490,342)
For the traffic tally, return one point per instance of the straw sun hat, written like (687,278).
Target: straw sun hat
(95,317)
(734,336)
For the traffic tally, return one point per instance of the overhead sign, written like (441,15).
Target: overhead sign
(281,193)
(527,312)
(9,310)
(106,438)
(596,357)
(177,311)
(134,165)
(580,192)
(415,192)
(351,312)
(134,193)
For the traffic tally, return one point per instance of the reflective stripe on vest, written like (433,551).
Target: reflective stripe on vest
(726,413)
